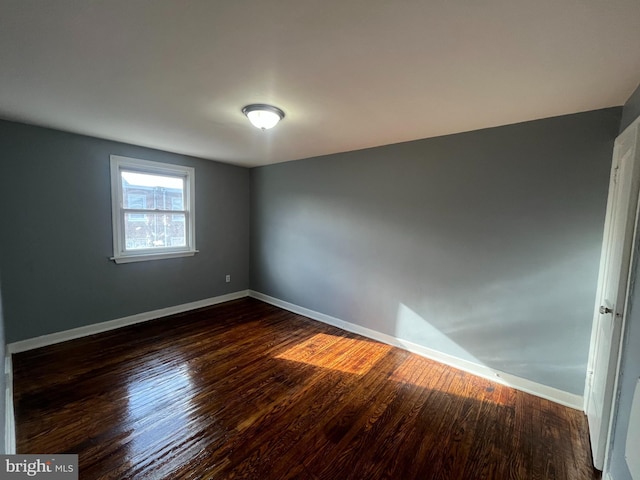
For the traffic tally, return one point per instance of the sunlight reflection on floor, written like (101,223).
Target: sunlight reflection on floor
(347,355)
(358,357)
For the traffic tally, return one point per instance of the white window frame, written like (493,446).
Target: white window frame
(120,253)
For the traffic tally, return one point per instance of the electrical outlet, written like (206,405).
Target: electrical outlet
(228,278)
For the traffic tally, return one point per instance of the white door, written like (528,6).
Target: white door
(615,262)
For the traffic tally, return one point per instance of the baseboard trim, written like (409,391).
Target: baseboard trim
(544,391)
(550,393)
(9,416)
(58,337)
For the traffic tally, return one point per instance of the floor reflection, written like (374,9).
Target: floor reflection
(159,407)
(347,355)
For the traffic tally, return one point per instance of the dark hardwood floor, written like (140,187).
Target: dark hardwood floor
(249,391)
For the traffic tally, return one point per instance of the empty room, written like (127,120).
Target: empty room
(320,239)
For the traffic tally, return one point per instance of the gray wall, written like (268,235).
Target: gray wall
(483,245)
(56,234)
(631,109)
(3,384)
(630,366)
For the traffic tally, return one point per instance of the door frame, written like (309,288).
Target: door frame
(633,269)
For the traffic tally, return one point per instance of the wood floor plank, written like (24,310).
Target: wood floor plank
(245,390)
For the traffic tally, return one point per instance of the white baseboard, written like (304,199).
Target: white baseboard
(9,416)
(58,337)
(550,393)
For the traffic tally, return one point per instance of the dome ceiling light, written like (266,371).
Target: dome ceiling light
(263,116)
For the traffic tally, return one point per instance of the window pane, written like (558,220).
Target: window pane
(151,192)
(177,202)
(155,230)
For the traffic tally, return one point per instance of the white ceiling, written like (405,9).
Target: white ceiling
(350,74)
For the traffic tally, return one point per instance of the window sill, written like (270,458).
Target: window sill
(144,257)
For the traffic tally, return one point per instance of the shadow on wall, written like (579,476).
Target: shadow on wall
(528,312)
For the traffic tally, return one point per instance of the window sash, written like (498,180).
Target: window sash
(124,251)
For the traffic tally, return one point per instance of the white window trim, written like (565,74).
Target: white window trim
(120,255)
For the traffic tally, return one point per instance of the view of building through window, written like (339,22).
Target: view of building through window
(147,201)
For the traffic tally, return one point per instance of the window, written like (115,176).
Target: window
(152,210)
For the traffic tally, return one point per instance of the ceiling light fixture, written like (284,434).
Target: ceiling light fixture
(263,116)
